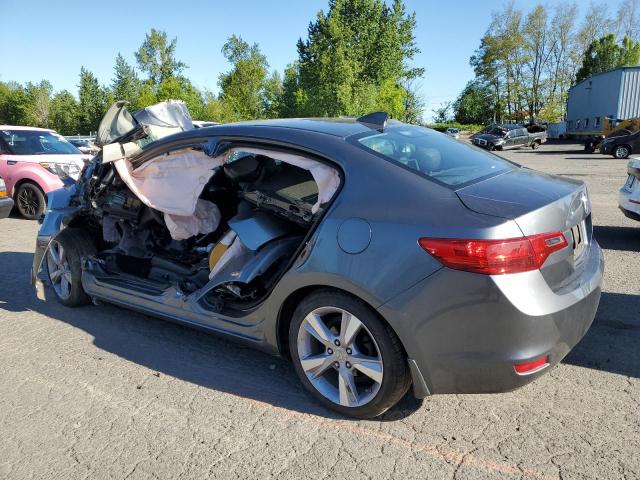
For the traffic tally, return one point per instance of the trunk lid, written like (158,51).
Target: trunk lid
(540,203)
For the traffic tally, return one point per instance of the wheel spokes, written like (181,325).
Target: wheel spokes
(369,366)
(55,275)
(65,286)
(54,253)
(349,328)
(347,388)
(316,365)
(316,327)
(339,356)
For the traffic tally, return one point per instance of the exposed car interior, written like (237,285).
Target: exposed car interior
(252,214)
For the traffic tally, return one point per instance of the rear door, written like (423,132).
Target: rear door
(522,137)
(509,139)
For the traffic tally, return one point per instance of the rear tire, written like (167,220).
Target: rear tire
(30,201)
(535,145)
(64,268)
(621,152)
(352,361)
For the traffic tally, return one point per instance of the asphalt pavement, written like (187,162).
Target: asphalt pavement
(101,392)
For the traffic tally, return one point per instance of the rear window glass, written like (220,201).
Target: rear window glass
(434,155)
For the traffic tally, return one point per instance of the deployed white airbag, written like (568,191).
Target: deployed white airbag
(172,183)
(205,219)
(326,177)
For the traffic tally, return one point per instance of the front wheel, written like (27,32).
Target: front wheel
(535,145)
(30,201)
(63,259)
(346,356)
(621,152)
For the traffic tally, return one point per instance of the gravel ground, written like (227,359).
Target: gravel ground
(101,392)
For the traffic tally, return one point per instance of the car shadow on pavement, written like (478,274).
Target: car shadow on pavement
(611,344)
(173,350)
(618,238)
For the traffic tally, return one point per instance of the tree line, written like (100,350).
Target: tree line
(527,61)
(357,58)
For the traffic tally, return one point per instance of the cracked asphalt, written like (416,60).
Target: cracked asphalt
(102,392)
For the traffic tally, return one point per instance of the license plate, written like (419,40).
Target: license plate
(578,232)
(631,180)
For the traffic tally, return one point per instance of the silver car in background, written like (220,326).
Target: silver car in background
(453,132)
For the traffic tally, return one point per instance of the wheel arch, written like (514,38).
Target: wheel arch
(628,147)
(24,180)
(290,303)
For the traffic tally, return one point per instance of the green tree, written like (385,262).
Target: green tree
(442,113)
(38,103)
(605,54)
(157,57)
(292,100)
(272,95)
(242,88)
(355,58)
(211,108)
(93,102)
(474,104)
(414,103)
(125,84)
(181,88)
(63,116)
(14,104)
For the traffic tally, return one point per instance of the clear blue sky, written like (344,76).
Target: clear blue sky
(51,40)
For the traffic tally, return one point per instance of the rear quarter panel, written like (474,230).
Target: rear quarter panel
(399,207)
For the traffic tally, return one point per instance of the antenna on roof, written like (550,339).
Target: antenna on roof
(375,120)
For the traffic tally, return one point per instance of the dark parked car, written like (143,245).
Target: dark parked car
(503,137)
(621,145)
(376,255)
(6,202)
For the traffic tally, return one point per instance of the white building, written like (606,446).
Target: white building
(614,94)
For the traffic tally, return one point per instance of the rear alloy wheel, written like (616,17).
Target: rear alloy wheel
(621,152)
(346,356)
(63,265)
(30,201)
(535,145)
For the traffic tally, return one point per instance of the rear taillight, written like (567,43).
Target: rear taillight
(532,366)
(495,257)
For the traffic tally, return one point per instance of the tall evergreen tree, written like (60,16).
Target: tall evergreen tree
(93,102)
(291,100)
(125,84)
(354,55)
(64,113)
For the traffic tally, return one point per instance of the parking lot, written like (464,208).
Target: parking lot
(101,392)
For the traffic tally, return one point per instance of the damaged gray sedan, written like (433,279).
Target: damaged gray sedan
(374,254)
